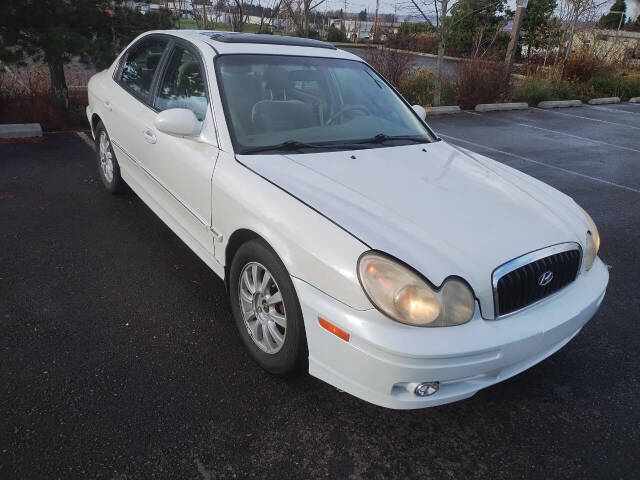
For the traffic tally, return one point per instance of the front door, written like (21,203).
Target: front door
(183,166)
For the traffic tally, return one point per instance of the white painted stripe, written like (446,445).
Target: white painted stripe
(588,118)
(85,138)
(564,133)
(519,157)
(616,110)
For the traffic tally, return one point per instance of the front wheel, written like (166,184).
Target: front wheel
(266,308)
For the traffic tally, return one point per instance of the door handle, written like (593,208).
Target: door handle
(149,136)
(107,105)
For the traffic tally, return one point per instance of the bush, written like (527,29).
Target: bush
(425,43)
(313,33)
(623,86)
(419,86)
(481,82)
(535,89)
(584,65)
(393,65)
(336,35)
(407,28)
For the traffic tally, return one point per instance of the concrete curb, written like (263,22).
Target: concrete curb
(560,103)
(604,101)
(634,100)
(442,110)
(20,130)
(494,107)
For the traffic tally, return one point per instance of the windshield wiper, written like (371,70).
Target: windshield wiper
(287,145)
(296,145)
(383,137)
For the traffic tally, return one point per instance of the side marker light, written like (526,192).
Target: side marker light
(333,329)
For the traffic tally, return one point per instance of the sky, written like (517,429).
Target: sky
(388,6)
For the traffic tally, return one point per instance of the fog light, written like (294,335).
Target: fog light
(425,389)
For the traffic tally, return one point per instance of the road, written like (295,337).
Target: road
(120,358)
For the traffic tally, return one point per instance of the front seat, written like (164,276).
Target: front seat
(278,115)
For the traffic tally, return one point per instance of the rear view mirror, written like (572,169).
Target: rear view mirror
(422,113)
(178,121)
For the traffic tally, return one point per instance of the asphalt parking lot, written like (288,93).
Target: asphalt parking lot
(119,358)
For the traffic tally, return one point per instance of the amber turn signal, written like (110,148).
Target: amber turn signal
(333,329)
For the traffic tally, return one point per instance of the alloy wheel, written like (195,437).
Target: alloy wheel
(106,159)
(262,307)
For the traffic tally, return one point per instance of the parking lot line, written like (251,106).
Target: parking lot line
(566,134)
(519,157)
(615,110)
(86,139)
(587,118)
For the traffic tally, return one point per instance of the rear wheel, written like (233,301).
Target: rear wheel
(266,308)
(107,163)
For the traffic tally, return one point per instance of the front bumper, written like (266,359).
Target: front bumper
(384,360)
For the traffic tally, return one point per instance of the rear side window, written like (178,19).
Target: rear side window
(183,84)
(141,64)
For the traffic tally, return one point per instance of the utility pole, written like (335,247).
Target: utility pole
(375,23)
(621,19)
(515,34)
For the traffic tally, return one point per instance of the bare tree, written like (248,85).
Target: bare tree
(199,12)
(269,14)
(482,42)
(575,11)
(239,14)
(439,10)
(299,11)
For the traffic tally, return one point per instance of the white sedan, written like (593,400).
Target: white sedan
(352,240)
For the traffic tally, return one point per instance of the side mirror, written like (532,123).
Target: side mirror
(178,121)
(422,113)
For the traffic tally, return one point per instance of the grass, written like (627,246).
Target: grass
(187,24)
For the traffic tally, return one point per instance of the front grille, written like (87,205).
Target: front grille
(522,286)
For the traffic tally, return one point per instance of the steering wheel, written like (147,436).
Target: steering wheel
(348,108)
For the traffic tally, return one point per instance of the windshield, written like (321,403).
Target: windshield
(277,102)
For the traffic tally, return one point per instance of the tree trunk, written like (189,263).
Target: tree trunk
(306,19)
(438,87)
(204,16)
(567,54)
(59,91)
(442,27)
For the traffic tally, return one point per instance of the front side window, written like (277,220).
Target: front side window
(141,64)
(306,102)
(183,84)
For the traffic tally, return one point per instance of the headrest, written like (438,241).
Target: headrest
(152,60)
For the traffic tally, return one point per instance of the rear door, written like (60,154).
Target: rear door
(130,102)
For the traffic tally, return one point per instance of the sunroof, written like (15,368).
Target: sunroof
(267,39)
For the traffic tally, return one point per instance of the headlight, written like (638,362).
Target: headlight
(404,296)
(592,244)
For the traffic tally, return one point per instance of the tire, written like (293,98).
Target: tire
(108,166)
(258,332)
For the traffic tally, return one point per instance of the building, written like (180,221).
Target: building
(613,44)
(363,29)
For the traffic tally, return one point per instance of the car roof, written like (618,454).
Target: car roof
(224,43)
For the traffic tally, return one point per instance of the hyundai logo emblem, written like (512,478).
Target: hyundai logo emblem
(545,278)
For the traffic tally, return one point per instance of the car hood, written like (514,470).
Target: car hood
(439,208)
